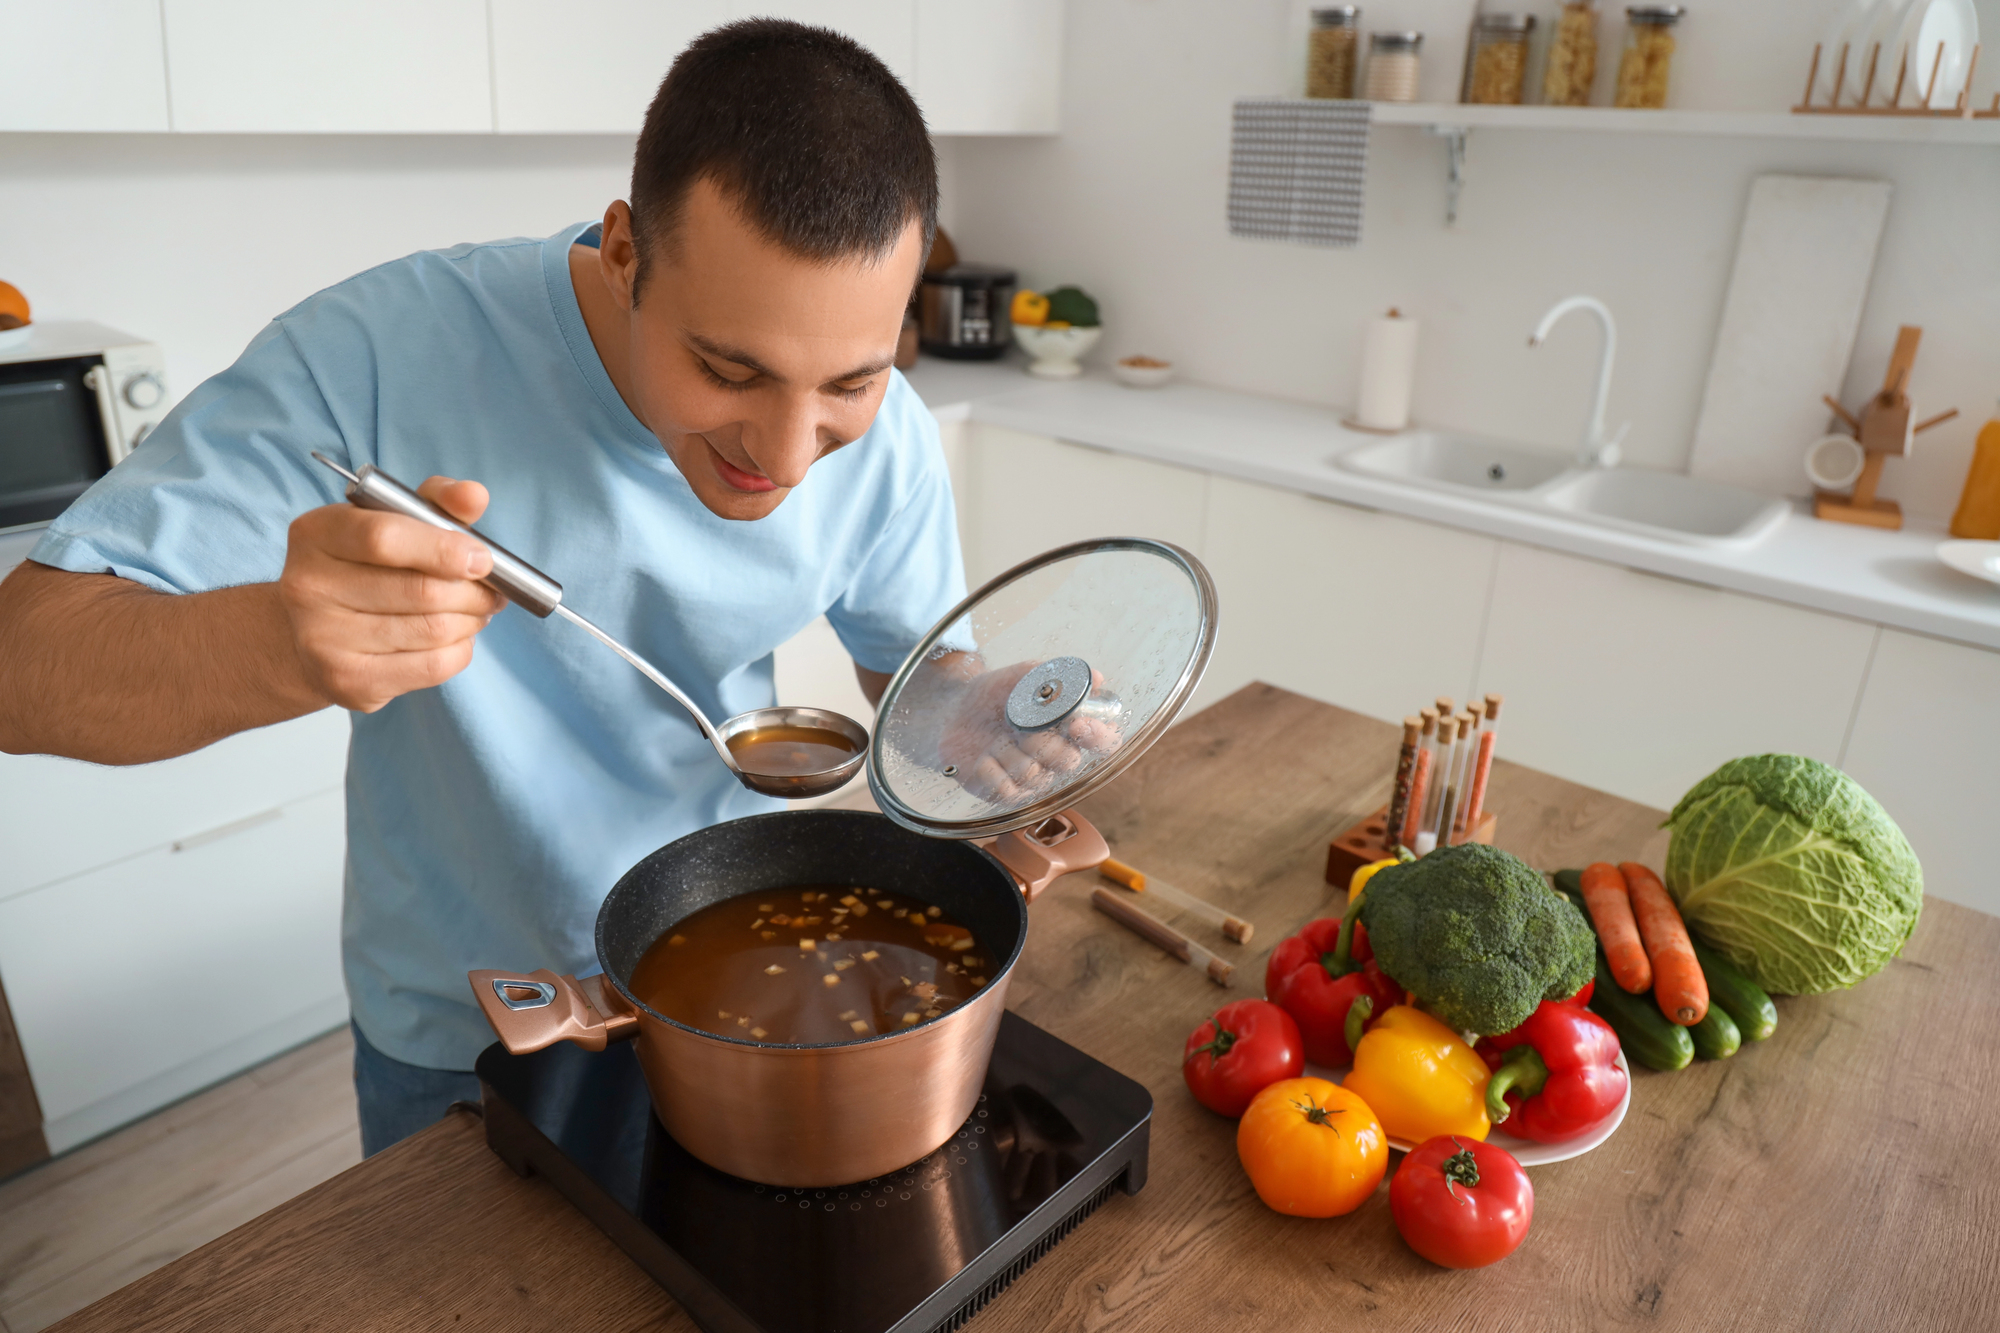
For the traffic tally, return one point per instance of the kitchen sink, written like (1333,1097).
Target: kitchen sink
(1455,463)
(1657,504)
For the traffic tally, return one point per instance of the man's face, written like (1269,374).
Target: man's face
(747,361)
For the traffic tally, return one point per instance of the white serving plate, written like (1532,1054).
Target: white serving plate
(1526,1151)
(1979,559)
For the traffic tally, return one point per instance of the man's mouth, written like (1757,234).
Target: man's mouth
(737,479)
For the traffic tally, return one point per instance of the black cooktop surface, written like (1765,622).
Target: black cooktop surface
(921,1249)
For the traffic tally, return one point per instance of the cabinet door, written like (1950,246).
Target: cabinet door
(1366,610)
(1030,493)
(591,66)
(82,65)
(59,817)
(356,67)
(1923,746)
(1643,685)
(886,27)
(990,66)
(118,977)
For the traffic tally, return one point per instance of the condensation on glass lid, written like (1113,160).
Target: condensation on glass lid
(1088,649)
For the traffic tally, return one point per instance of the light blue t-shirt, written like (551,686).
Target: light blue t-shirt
(488,817)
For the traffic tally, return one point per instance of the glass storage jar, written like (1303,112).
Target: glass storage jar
(1392,66)
(1572,66)
(1648,55)
(1331,49)
(1496,60)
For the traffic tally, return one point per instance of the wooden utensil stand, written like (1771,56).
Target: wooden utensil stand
(1883,428)
(1961,109)
(1369,841)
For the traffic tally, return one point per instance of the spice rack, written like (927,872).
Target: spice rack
(1367,842)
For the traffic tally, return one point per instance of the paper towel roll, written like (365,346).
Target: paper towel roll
(1388,373)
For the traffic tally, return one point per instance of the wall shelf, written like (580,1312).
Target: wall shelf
(1738,124)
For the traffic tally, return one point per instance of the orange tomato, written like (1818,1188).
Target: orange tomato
(1312,1148)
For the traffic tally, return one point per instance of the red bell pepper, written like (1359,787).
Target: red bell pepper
(1318,974)
(1555,1077)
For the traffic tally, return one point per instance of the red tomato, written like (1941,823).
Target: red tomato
(1461,1203)
(1245,1048)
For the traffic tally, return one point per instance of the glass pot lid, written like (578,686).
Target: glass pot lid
(1041,687)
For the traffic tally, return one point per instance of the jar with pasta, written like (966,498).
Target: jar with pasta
(1496,61)
(1392,66)
(1572,63)
(1648,55)
(1331,51)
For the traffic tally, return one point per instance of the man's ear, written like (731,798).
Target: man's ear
(618,256)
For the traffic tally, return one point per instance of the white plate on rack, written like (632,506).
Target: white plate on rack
(1979,559)
(1880,33)
(1526,1151)
(1938,33)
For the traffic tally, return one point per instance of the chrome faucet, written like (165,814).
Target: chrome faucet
(1594,450)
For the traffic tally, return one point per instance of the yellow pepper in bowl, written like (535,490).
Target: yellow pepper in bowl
(1420,1078)
(1029,308)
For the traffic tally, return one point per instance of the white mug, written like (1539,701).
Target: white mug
(1833,462)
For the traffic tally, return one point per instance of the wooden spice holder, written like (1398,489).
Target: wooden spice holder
(1368,841)
(1960,110)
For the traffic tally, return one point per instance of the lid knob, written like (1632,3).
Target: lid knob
(1049,693)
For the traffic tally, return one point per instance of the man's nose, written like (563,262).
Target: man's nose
(786,441)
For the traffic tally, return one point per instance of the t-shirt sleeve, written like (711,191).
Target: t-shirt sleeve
(205,500)
(914,573)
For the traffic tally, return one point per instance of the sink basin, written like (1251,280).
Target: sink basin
(1667,504)
(1455,463)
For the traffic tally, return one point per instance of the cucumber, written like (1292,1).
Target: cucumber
(1738,996)
(1569,883)
(1642,1029)
(1715,1037)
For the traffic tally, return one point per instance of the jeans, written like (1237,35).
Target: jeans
(397,1099)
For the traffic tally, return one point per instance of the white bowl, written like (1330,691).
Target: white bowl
(1142,377)
(1057,353)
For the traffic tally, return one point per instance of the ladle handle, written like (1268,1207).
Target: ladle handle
(512,577)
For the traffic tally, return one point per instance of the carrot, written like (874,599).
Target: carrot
(1611,912)
(1678,985)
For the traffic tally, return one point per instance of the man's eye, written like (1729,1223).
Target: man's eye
(720,380)
(842,391)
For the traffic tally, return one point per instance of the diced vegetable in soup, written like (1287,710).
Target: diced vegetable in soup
(850,963)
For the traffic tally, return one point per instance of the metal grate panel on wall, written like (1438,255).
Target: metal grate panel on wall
(1296,170)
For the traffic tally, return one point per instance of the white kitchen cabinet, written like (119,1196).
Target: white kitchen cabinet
(990,66)
(1923,746)
(1029,493)
(589,67)
(357,67)
(82,65)
(1366,610)
(1642,685)
(137,984)
(59,817)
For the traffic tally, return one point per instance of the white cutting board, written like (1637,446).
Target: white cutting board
(1802,268)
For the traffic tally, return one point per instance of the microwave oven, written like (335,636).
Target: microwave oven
(74,399)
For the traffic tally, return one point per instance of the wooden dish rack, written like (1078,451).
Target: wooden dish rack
(1961,110)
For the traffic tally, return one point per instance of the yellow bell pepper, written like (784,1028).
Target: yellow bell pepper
(1029,307)
(1363,874)
(1419,1078)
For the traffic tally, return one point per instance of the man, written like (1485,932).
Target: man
(646,398)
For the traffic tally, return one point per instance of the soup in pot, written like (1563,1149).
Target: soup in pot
(810,964)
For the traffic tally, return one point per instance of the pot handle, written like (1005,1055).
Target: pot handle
(1043,853)
(540,1009)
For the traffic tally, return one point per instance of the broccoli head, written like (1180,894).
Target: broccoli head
(1477,936)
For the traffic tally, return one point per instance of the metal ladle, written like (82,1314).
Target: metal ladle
(538,594)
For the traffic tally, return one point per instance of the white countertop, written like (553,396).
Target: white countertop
(1892,578)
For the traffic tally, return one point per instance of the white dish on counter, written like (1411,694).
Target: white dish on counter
(1525,1151)
(1977,558)
(1142,377)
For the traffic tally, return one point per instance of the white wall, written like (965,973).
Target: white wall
(1129,203)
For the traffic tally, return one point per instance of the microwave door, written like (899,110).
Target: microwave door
(52,437)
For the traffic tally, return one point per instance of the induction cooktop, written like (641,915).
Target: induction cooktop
(920,1250)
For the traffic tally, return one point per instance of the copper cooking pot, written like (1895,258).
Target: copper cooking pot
(799,1115)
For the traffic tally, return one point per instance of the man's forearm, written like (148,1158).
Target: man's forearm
(97,667)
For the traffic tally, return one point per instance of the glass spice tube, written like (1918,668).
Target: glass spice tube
(1648,55)
(1496,61)
(1572,63)
(1393,66)
(1331,49)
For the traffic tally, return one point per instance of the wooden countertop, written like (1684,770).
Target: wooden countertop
(1836,1176)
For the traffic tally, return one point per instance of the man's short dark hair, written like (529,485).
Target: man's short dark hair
(804,130)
